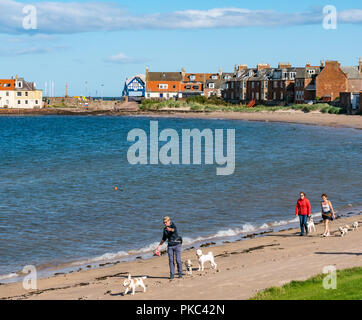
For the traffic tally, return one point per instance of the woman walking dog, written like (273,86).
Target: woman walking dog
(174,246)
(327,214)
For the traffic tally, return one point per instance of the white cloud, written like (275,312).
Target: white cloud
(73,17)
(121,58)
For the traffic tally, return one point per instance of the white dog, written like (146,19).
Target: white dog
(311,224)
(355,225)
(188,265)
(204,258)
(132,284)
(343,231)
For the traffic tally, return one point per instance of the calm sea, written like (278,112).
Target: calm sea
(59,206)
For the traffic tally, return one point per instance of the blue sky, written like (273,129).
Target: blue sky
(106,42)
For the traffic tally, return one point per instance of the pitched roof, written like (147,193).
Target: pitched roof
(352,72)
(141,76)
(164,76)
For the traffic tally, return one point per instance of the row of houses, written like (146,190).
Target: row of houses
(285,84)
(18,93)
(175,85)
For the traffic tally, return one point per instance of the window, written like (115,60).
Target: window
(232,85)
(274,96)
(275,84)
(214,77)
(7,93)
(195,87)
(36,101)
(26,101)
(174,86)
(26,94)
(252,85)
(192,77)
(148,95)
(211,85)
(311,71)
(281,96)
(19,102)
(292,75)
(19,94)
(163,86)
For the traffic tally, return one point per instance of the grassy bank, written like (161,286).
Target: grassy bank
(349,287)
(215,104)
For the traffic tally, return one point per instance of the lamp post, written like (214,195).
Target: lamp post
(102,85)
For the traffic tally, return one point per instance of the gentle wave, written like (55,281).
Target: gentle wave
(8,276)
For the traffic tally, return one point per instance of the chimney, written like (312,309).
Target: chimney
(283,65)
(360,66)
(220,72)
(235,69)
(183,72)
(147,73)
(307,64)
(262,66)
(322,63)
(242,67)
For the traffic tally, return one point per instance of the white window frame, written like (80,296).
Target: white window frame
(163,86)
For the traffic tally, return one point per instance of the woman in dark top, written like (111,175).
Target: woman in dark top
(174,246)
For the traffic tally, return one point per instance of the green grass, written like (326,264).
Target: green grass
(349,287)
(217,104)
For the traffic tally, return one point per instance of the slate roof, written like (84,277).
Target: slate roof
(164,76)
(352,72)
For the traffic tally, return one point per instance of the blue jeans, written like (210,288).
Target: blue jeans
(303,223)
(172,250)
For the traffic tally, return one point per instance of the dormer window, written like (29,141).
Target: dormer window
(211,85)
(192,77)
(214,77)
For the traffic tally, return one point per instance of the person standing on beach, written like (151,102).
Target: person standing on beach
(327,214)
(174,246)
(303,210)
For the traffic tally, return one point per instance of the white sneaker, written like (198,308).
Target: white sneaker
(328,234)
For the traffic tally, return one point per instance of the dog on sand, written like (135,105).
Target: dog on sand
(188,265)
(132,284)
(205,258)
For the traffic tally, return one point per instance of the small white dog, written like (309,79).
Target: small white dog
(204,258)
(311,224)
(188,265)
(355,225)
(132,284)
(343,231)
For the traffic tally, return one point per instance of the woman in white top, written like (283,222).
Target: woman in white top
(327,214)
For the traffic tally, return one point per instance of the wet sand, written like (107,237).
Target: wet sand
(288,116)
(243,268)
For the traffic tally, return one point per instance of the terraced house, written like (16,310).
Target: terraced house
(174,85)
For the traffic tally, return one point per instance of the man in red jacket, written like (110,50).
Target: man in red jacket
(303,210)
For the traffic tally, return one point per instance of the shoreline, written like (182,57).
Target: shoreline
(288,116)
(275,248)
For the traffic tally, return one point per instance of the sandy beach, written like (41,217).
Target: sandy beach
(244,267)
(288,116)
(131,109)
